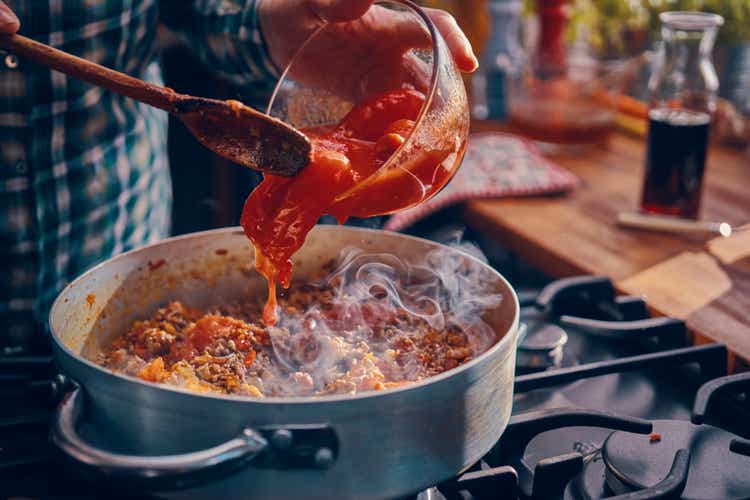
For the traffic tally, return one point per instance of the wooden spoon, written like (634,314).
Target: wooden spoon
(228,128)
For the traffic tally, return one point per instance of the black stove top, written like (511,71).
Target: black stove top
(610,403)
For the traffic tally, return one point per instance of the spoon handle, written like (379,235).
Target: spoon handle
(90,72)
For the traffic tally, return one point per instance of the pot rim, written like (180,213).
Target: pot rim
(501,344)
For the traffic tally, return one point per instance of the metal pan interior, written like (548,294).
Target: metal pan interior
(206,268)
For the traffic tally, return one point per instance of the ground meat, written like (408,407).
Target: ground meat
(317,348)
(157,342)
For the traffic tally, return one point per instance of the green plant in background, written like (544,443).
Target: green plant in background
(609,25)
(736,14)
(605,24)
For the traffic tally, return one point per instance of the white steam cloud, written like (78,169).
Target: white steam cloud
(373,296)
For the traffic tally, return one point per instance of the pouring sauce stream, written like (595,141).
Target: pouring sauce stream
(281,211)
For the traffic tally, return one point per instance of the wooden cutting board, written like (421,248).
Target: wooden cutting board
(706,282)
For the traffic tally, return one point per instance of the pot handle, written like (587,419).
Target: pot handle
(280,447)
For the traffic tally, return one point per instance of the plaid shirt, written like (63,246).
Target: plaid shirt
(83,172)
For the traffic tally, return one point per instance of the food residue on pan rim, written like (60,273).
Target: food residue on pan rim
(154,265)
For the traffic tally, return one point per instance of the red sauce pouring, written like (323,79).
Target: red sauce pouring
(280,212)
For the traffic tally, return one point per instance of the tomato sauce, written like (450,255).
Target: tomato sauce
(207,329)
(280,212)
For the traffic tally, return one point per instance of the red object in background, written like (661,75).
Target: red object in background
(553,19)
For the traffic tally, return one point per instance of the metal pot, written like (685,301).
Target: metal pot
(188,445)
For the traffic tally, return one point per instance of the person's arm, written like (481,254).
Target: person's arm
(250,40)
(288,23)
(8,21)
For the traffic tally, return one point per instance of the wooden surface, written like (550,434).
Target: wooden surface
(705,282)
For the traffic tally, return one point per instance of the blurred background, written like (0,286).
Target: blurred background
(604,49)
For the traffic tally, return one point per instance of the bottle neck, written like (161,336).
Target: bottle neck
(686,77)
(688,47)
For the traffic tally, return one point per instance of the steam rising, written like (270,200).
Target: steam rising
(370,302)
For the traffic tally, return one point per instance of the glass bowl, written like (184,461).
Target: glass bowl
(575,103)
(432,152)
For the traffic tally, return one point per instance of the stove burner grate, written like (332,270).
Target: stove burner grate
(582,313)
(634,463)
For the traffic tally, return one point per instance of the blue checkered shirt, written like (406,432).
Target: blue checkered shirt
(83,172)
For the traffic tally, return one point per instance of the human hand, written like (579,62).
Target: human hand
(370,49)
(9,23)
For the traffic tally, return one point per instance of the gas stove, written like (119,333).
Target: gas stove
(609,403)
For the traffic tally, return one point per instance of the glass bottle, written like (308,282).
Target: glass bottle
(683,90)
(502,61)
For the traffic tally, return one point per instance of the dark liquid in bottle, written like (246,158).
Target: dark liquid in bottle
(675,161)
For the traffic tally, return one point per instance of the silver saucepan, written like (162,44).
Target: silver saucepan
(379,444)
